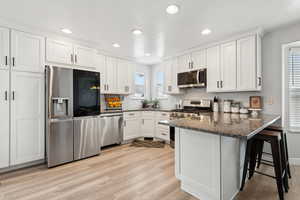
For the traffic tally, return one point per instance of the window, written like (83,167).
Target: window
(139,82)
(294,89)
(159,87)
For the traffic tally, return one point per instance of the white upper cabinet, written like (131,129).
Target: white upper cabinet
(70,54)
(84,56)
(213,69)
(59,52)
(101,67)
(27,52)
(236,66)
(171,70)
(4,48)
(27,117)
(184,63)
(247,66)
(4,118)
(167,66)
(199,59)
(228,66)
(111,76)
(124,77)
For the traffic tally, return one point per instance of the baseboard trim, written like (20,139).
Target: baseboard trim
(295,161)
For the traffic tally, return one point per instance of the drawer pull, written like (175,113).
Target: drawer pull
(131,114)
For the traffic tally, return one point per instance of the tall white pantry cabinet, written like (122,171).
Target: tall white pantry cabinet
(22,97)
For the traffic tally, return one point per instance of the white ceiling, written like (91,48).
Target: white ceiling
(107,21)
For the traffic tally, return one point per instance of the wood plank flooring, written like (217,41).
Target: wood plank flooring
(120,173)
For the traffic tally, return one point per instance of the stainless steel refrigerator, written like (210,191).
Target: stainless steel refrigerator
(73,115)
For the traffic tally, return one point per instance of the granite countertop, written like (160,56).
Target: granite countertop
(242,126)
(136,110)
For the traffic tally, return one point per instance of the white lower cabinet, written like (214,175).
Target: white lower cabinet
(4,118)
(145,124)
(148,124)
(162,131)
(27,117)
(132,125)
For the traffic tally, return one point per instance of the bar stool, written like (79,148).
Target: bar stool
(260,148)
(252,151)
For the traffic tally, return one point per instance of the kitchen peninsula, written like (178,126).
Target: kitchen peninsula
(210,150)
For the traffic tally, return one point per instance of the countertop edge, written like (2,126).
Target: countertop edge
(249,136)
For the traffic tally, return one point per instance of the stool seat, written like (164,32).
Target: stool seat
(270,133)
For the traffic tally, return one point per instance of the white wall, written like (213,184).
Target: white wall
(271,60)
(129,101)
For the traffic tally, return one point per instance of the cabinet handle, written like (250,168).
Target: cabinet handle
(259,81)
(221,84)
(124,123)
(6,60)
(13,61)
(72,59)
(131,114)
(192,64)
(164,134)
(218,85)
(75,58)
(6,95)
(13,95)
(107,87)
(143,121)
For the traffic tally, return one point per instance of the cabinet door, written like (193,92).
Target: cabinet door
(199,59)
(27,117)
(213,69)
(4,48)
(84,56)
(246,63)
(111,75)
(184,63)
(228,66)
(59,52)
(4,118)
(101,67)
(167,66)
(124,77)
(148,127)
(27,52)
(174,72)
(131,128)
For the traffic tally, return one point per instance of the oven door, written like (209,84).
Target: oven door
(86,93)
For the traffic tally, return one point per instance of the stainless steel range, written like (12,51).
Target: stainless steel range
(191,109)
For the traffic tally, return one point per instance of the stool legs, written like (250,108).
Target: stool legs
(276,152)
(246,162)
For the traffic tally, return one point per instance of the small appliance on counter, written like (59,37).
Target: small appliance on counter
(235,107)
(227,106)
(216,104)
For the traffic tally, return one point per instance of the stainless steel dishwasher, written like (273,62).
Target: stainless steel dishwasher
(112,129)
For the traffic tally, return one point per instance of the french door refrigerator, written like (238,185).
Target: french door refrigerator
(73,123)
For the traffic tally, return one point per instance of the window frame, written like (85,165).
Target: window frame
(134,96)
(285,86)
(163,96)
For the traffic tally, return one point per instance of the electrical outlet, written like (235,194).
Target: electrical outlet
(270,100)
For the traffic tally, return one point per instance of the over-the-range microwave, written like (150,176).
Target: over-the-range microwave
(195,78)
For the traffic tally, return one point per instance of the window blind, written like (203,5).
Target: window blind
(294,89)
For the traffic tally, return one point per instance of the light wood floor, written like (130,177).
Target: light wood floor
(124,172)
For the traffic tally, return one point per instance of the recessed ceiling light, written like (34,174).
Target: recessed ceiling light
(206,31)
(147,54)
(67,31)
(137,32)
(116,45)
(172,9)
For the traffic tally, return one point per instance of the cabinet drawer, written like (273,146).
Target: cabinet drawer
(148,114)
(131,115)
(163,115)
(162,127)
(163,134)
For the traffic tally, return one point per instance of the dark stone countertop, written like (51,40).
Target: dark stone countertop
(136,110)
(242,126)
